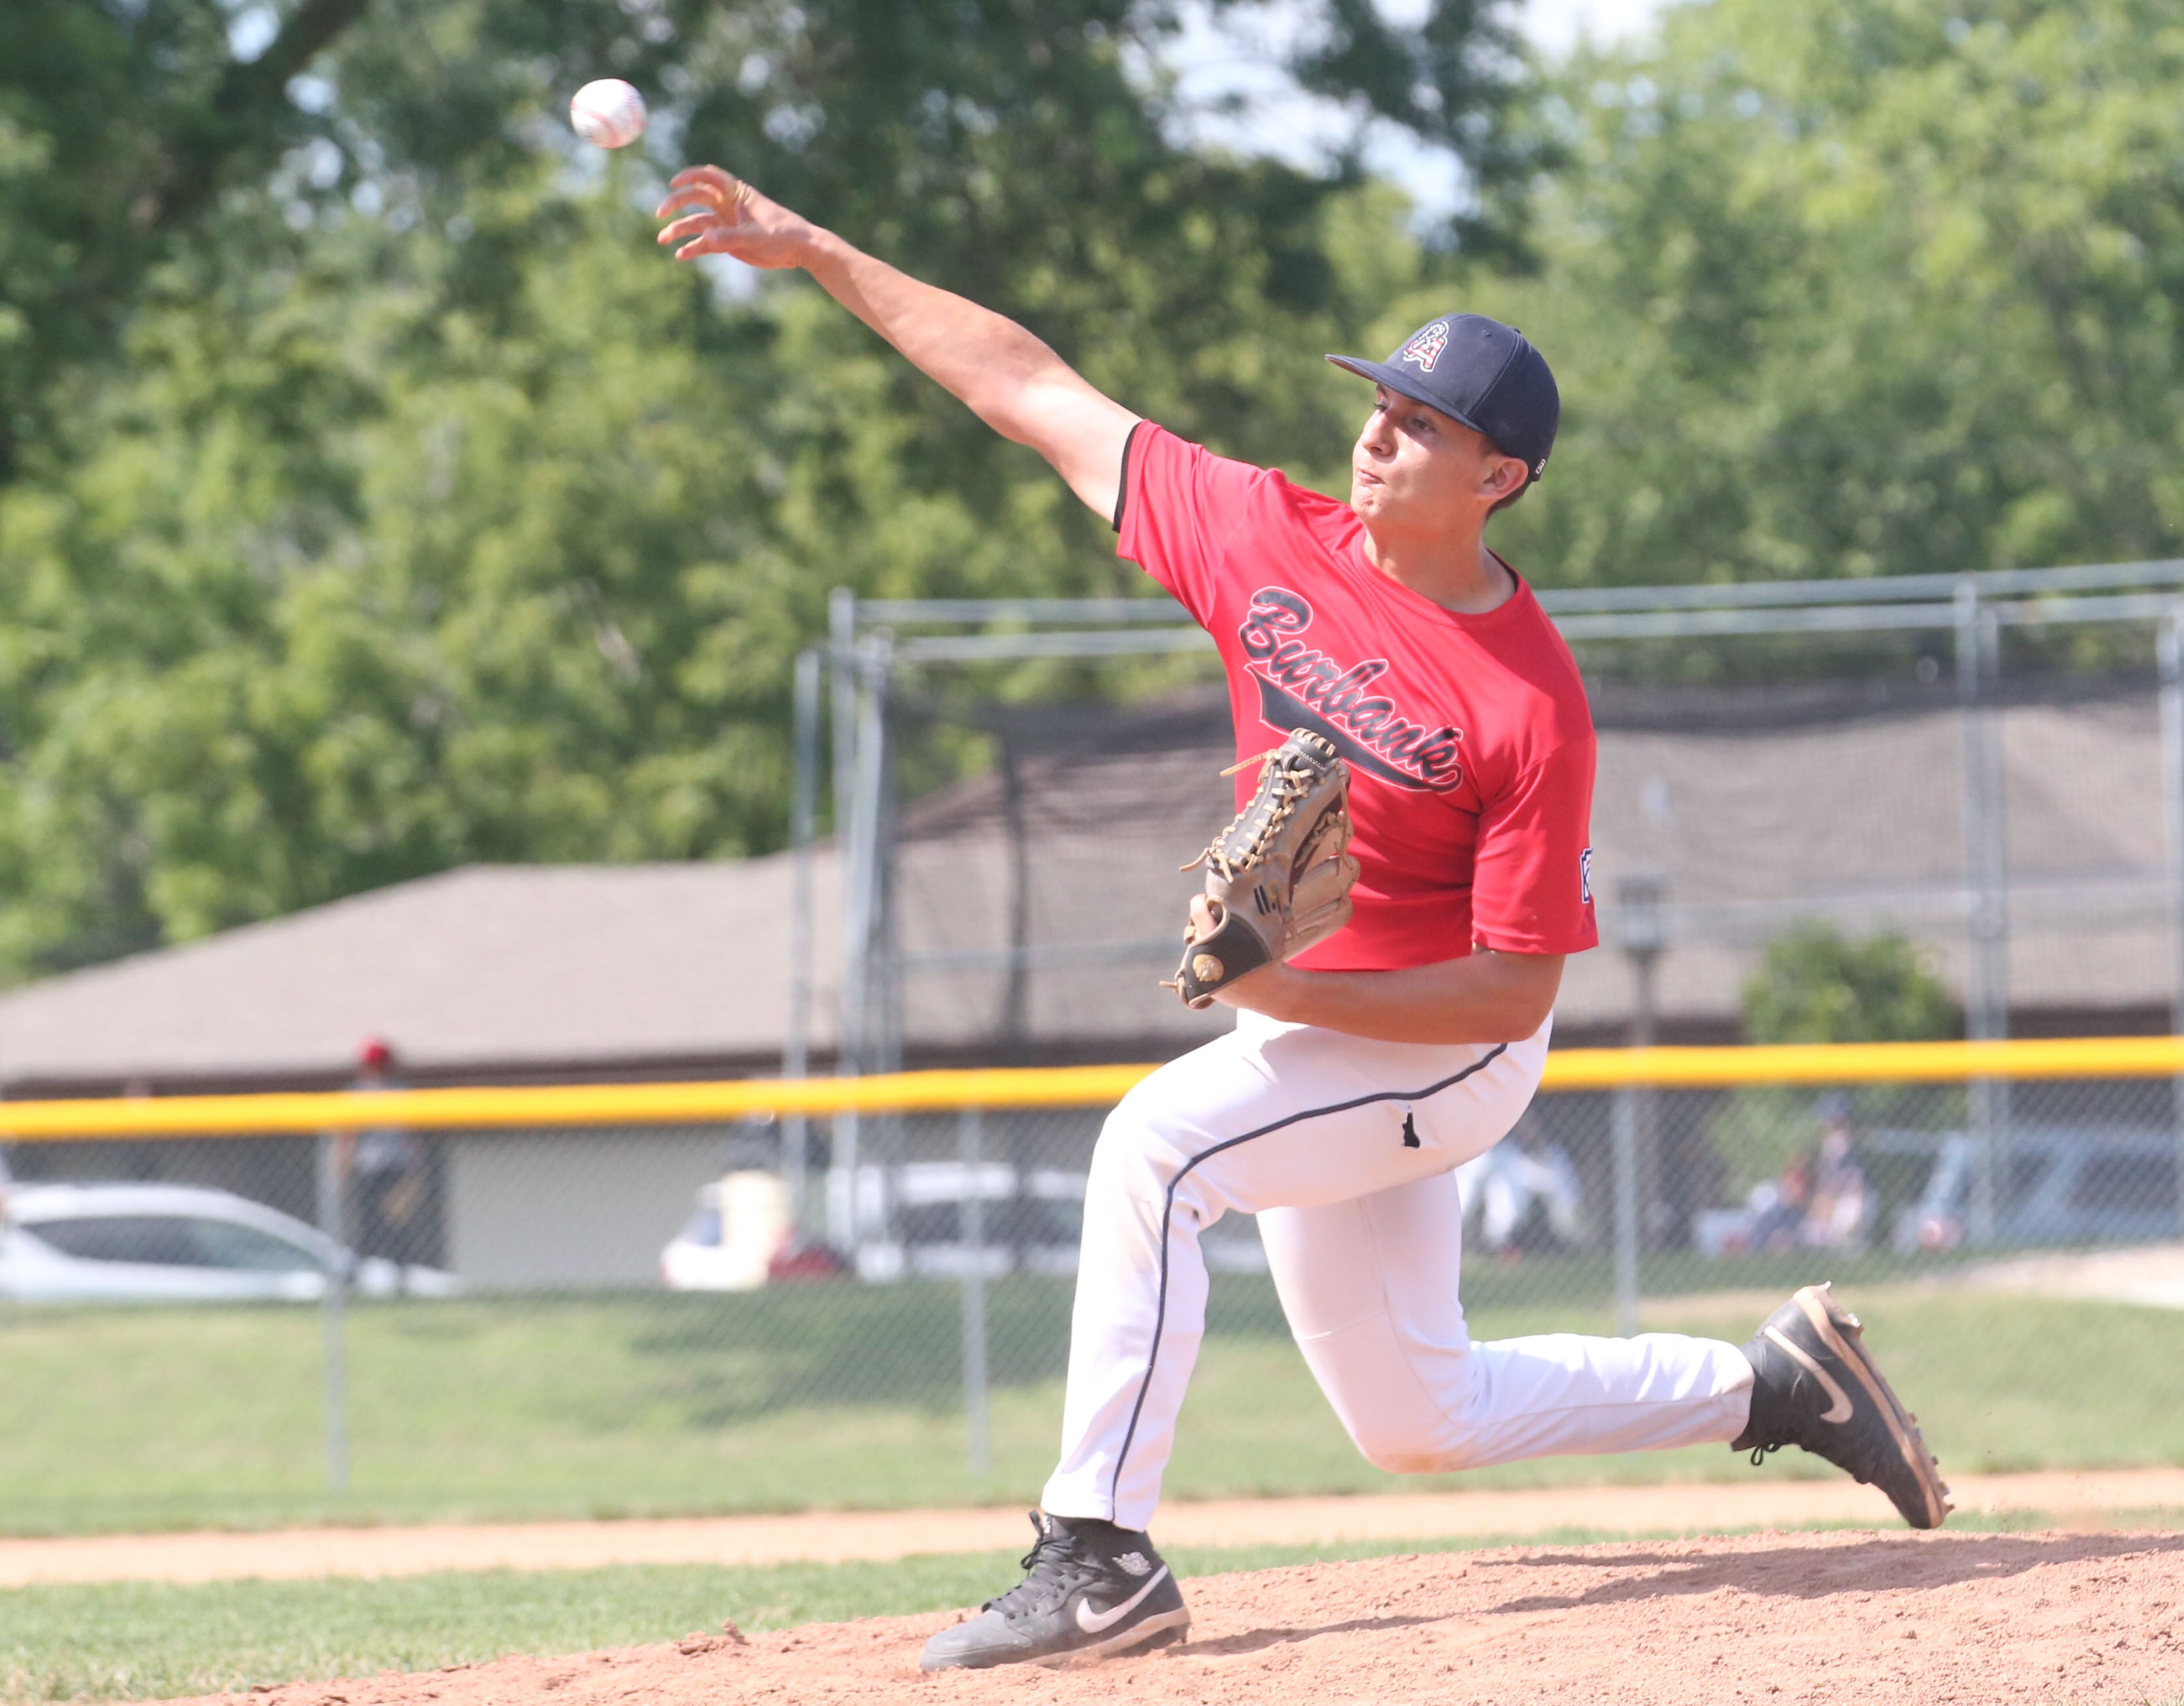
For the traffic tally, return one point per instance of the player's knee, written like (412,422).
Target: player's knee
(1409,1433)
(1405,1451)
(1442,1455)
(1404,1463)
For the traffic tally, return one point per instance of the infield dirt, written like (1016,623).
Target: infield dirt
(1844,1618)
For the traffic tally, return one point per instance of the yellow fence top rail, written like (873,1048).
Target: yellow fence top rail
(697,1104)
(1825,1063)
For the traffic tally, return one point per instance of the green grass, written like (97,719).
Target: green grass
(846,1396)
(140,1640)
(137,1641)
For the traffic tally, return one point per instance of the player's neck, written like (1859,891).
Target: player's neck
(1455,569)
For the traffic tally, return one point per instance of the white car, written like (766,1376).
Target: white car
(177,1243)
(741,1224)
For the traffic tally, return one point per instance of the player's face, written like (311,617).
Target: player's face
(1415,469)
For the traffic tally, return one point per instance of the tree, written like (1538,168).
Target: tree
(1861,287)
(426,514)
(119,124)
(1814,984)
(132,130)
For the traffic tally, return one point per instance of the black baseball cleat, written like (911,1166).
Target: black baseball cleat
(1090,1589)
(1814,1385)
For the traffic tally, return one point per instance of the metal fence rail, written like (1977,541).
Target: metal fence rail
(1028,1087)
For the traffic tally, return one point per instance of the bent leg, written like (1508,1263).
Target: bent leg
(1370,1289)
(1267,1115)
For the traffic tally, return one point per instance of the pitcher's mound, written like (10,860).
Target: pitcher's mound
(1840,1618)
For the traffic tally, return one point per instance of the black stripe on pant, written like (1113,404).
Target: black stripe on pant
(1167,1214)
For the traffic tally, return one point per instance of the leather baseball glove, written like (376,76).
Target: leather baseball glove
(1277,879)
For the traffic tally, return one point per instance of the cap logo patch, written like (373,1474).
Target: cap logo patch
(1424,348)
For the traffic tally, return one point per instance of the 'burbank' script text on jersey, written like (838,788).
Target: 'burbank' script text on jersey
(1428,759)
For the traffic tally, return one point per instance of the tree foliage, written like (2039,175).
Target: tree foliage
(373,498)
(1862,286)
(395,503)
(1816,985)
(119,124)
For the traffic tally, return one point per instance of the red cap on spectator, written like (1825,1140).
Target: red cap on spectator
(375,1052)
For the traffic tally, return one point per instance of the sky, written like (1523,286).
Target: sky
(1557,23)
(1235,94)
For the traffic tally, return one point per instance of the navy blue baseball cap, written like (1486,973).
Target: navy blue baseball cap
(1480,372)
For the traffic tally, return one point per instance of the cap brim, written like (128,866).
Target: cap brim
(1403,384)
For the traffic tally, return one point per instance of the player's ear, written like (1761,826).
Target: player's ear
(1507,478)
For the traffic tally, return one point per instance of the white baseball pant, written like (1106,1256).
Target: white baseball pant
(1345,1149)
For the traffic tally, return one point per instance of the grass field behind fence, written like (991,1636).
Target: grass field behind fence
(848,1396)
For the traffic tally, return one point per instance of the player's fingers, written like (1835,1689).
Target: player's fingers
(707,184)
(709,174)
(691,226)
(710,243)
(697,195)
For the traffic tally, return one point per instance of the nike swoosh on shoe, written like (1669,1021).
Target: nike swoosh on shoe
(1839,1407)
(1099,1622)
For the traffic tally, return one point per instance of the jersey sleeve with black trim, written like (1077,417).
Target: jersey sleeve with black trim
(1179,505)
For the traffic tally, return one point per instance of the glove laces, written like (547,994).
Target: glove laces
(1266,813)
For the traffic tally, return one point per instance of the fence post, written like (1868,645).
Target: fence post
(842,1228)
(332,1336)
(861,668)
(1641,932)
(1986,872)
(796,1056)
(2172,799)
(977,1424)
(1623,1129)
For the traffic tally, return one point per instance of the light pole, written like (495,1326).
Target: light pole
(1641,932)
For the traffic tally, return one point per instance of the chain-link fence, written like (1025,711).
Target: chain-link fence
(873,1308)
(1991,767)
(609,1320)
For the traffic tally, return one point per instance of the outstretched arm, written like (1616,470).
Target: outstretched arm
(1010,380)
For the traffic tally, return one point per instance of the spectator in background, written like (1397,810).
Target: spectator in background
(1819,1200)
(384,1168)
(1835,1217)
(1778,1209)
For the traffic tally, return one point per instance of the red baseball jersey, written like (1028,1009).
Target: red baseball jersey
(1468,738)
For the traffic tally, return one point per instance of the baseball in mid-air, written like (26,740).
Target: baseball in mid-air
(608,113)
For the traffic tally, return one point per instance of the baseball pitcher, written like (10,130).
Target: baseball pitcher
(1389,916)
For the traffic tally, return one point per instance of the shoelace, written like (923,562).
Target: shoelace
(1798,1380)
(1048,1563)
